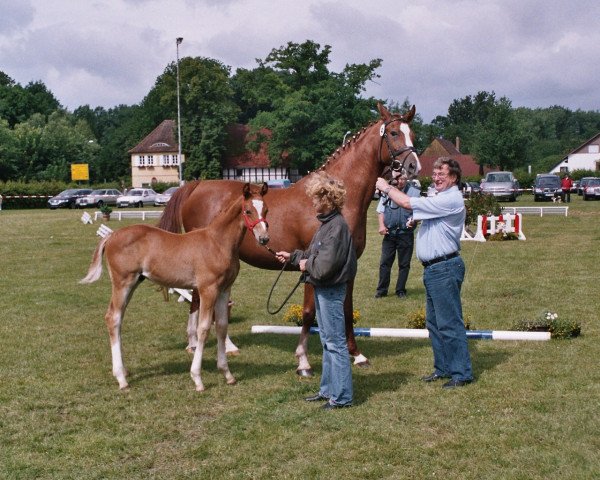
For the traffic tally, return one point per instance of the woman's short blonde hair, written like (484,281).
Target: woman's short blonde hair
(328,193)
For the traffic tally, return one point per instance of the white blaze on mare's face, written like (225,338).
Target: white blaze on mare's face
(405,129)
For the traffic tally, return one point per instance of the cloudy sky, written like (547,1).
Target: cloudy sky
(537,53)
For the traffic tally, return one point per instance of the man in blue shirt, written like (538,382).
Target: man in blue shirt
(438,247)
(398,238)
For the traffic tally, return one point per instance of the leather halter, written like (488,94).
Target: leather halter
(396,165)
(249,223)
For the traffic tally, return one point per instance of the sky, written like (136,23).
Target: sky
(537,53)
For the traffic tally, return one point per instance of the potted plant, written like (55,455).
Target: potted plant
(106,211)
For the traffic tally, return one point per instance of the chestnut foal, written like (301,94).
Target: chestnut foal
(206,259)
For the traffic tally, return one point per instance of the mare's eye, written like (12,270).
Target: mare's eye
(248,212)
(394,134)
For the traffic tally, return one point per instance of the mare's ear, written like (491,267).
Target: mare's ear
(246,190)
(384,112)
(407,117)
(264,189)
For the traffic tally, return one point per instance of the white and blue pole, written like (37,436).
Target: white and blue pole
(412,333)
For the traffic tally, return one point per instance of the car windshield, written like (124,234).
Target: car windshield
(67,193)
(135,193)
(170,191)
(505,177)
(548,182)
(593,183)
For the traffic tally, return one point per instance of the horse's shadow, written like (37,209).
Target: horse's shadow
(367,384)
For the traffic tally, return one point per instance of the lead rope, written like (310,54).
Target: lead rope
(273,312)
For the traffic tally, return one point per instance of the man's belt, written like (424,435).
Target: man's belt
(439,259)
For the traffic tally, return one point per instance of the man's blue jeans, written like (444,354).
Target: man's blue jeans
(336,379)
(445,323)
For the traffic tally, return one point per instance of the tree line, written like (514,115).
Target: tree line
(291,98)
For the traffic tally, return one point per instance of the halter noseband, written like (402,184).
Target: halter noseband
(395,164)
(249,223)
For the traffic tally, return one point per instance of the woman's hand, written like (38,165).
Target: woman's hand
(282,256)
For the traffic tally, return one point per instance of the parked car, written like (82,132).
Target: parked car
(163,198)
(546,187)
(592,189)
(279,183)
(470,188)
(67,198)
(501,185)
(575,187)
(105,196)
(137,197)
(582,184)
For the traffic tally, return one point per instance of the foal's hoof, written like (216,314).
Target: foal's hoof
(199,388)
(361,361)
(231,381)
(305,372)
(190,350)
(232,353)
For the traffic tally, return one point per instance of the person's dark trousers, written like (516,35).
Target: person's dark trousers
(566,195)
(402,245)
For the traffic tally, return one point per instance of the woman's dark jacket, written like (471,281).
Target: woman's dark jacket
(331,258)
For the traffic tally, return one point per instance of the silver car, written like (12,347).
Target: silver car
(137,197)
(163,198)
(103,196)
(501,185)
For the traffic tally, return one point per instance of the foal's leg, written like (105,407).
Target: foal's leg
(221,323)
(205,319)
(308,316)
(122,290)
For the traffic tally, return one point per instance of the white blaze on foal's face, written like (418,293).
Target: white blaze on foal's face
(259,205)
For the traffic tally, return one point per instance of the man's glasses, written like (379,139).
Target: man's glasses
(439,175)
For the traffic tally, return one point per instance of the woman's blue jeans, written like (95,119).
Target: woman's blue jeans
(444,317)
(336,379)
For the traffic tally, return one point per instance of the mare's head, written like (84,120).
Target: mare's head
(396,149)
(254,211)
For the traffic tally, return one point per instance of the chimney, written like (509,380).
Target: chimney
(457,143)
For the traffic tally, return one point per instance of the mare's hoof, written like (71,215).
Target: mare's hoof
(305,372)
(190,350)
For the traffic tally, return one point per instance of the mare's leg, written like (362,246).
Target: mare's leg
(122,290)
(359,359)
(205,319)
(308,316)
(221,323)
(192,326)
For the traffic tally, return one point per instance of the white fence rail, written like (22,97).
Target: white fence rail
(142,214)
(541,211)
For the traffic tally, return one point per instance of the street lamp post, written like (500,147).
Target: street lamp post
(178,41)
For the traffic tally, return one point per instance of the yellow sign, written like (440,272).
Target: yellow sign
(80,171)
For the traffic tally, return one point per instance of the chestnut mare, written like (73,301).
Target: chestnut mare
(357,163)
(206,260)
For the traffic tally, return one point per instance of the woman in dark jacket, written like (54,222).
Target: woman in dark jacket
(329,263)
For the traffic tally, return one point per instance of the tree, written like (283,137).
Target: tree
(306,108)
(207,108)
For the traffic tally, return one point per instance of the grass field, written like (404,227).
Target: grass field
(533,412)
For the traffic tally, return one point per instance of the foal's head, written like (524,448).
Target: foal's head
(254,211)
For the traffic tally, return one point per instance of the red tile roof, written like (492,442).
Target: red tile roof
(440,147)
(236,155)
(161,139)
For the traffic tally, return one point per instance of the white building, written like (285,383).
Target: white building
(584,157)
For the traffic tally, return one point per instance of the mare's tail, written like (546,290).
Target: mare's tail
(95,269)
(170,219)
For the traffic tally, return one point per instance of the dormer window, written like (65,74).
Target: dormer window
(159,144)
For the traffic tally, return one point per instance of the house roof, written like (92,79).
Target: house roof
(161,139)
(440,147)
(237,156)
(585,144)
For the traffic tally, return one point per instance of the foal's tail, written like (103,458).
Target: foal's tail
(170,219)
(95,269)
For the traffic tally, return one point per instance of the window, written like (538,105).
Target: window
(166,160)
(175,159)
(142,161)
(594,149)
(150,160)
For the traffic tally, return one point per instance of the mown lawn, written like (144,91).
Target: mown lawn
(531,414)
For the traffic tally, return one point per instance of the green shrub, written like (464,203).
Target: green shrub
(481,204)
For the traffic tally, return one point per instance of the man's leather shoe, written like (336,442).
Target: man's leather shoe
(456,383)
(432,377)
(334,406)
(380,295)
(316,398)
